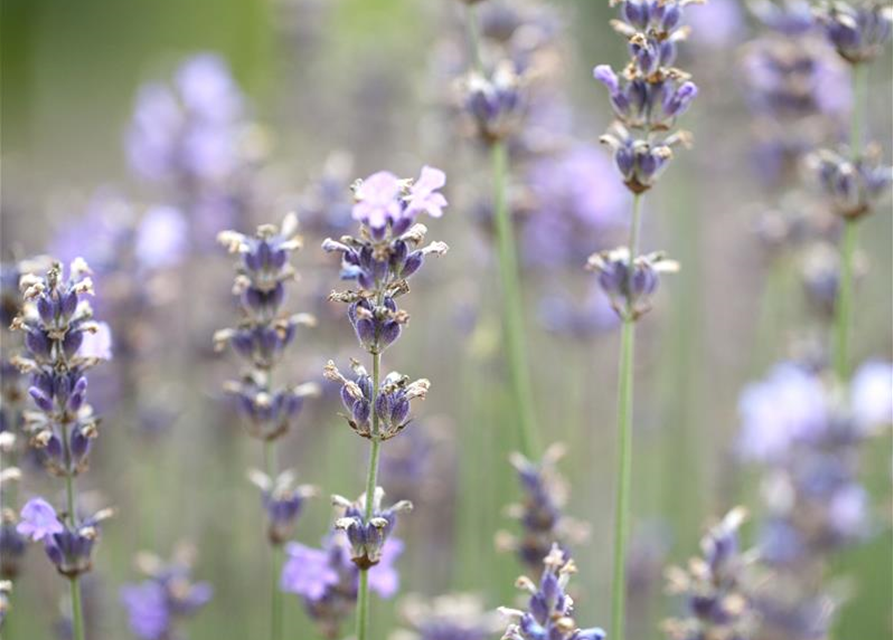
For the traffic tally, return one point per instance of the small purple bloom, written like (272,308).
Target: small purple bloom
(161,238)
(423,195)
(377,200)
(147,609)
(307,571)
(39,520)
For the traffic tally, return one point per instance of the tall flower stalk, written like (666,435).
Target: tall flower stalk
(62,343)
(268,407)
(859,33)
(646,97)
(386,253)
(494,98)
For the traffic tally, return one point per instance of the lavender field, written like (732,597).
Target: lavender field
(329,319)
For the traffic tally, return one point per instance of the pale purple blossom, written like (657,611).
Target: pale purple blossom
(39,520)
(788,406)
(872,394)
(423,195)
(377,201)
(162,238)
(147,609)
(307,571)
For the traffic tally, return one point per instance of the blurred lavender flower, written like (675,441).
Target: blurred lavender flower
(188,132)
(717,595)
(448,617)
(550,612)
(630,284)
(284,501)
(858,32)
(578,317)
(161,238)
(808,434)
(576,203)
(797,88)
(367,538)
(853,186)
(543,524)
(717,24)
(328,580)
(392,400)
(168,595)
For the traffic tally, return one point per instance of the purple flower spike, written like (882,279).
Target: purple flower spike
(377,200)
(423,195)
(39,520)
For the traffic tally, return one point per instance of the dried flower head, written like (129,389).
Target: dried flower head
(367,537)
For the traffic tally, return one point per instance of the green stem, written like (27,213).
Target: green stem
(844,312)
(77,614)
(474,40)
(276,609)
(512,307)
(371,483)
(625,452)
(844,308)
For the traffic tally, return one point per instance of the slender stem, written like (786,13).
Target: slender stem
(625,450)
(77,614)
(371,483)
(512,307)
(844,308)
(474,40)
(276,609)
(844,311)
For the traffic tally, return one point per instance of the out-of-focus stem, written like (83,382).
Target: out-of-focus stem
(276,610)
(474,40)
(843,317)
(624,450)
(512,307)
(371,483)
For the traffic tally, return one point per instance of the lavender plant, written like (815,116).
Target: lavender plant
(496,102)
(167,595)
(58,325)
(853,180)
(807,432)
(386,253)
(543,524)
(647,98)
(550,610)
(268,407)
(716,590)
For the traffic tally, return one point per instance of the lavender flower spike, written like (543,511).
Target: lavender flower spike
(550,611)
(630,284)
(858,32)
(284,502)
(716,588)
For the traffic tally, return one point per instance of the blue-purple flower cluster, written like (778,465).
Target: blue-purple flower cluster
(550,610)
(283,500)
(539,514)
(650,93)
(167,596)
(716,588)
(391,400)
(859,32)
(808,434)
(853,186)
(264,332)
(630,283)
